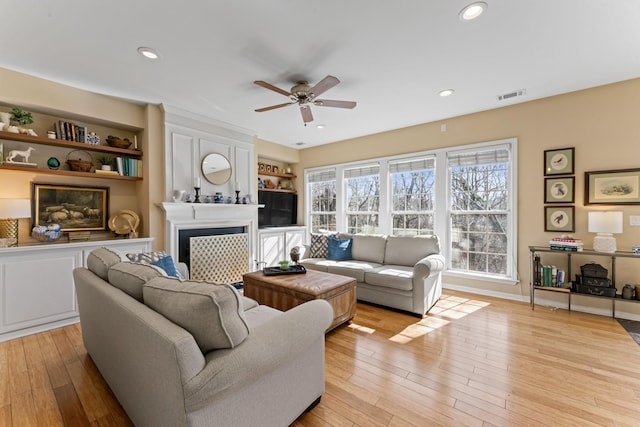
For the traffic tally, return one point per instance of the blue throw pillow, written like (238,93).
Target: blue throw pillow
(339,249)
(166,263)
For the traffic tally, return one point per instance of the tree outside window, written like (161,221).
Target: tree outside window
(479,200)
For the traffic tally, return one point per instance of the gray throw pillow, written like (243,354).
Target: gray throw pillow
(129,277)
(101,259)
(213,314)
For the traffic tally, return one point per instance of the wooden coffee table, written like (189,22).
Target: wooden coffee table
(287,291)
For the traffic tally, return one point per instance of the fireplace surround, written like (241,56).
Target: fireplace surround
(187,220)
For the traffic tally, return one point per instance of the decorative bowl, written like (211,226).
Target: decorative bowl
(46,234)
(119,143)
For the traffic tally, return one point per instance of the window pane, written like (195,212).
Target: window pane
(363,203)
(412,203)
(479,202)
(323,205)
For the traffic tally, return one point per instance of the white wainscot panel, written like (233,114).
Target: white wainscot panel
(38,290)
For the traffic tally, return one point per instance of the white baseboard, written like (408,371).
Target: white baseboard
(40,328)
(624,309)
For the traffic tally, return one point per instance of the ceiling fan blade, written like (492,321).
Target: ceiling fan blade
(272,87)
(306,114)
(324,85)
(333,103)
(273,107)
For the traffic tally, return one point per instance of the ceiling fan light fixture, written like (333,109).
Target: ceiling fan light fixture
(446,92)
(472,11)
(147,52)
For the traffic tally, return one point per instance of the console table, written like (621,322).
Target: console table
(533,250)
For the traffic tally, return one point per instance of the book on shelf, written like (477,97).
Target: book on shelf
(551,276)
(102,172)
(566,248)
(129,167)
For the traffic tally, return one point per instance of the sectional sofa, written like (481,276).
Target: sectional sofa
(186,353)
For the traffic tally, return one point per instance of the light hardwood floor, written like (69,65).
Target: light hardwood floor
(474,361)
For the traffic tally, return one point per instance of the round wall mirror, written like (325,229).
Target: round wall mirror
(216,168)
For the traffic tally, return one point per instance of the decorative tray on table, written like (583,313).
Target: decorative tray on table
(277,271)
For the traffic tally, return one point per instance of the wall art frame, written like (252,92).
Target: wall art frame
(74,208)
(559,190)
(559,161)
(559,218)
(612,187)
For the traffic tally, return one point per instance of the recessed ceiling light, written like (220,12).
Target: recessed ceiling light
(147,52)
(320,126)
(300,143)
(446,92)
(472,11)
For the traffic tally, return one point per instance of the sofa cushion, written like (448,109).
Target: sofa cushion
(391,276)
(101,259)
(369,247)
(339,249)
(353,268)
(129,277)
(408,250)
(213,314)
(319,245)
(157,258)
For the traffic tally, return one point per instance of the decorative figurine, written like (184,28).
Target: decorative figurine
(21,153)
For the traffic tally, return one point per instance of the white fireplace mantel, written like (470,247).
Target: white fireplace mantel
(181,216)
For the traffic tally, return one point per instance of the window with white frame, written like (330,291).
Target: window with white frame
(413,196)
(479,211)
(322,193)
(465,195)
(363,199)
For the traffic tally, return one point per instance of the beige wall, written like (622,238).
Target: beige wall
(603,124)
(49,101)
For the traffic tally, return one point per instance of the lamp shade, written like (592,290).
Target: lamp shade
(15,208)
(605,222)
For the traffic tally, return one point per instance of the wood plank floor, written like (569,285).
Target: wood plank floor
(474,361)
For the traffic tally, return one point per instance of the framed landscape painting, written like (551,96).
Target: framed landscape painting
(613,187)
(74,208)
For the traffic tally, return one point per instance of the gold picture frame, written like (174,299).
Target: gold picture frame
(74,208)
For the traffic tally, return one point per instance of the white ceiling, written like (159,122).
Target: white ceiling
(392,57)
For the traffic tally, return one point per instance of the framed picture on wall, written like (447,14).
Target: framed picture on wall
(559,218)
(559,190)
(74,208)
(559,161)
(614,187)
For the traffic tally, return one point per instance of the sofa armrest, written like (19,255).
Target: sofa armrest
(272,344)
(183,270)
(428,266)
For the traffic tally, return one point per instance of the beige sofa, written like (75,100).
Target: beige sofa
(222,360)
(402,272)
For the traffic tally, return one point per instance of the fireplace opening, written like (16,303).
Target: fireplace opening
(185,235)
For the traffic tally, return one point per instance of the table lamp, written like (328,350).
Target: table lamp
(605,224)
(10,211)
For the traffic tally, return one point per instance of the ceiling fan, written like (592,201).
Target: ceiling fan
(304,95)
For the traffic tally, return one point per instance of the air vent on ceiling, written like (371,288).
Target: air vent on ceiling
(510,95)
